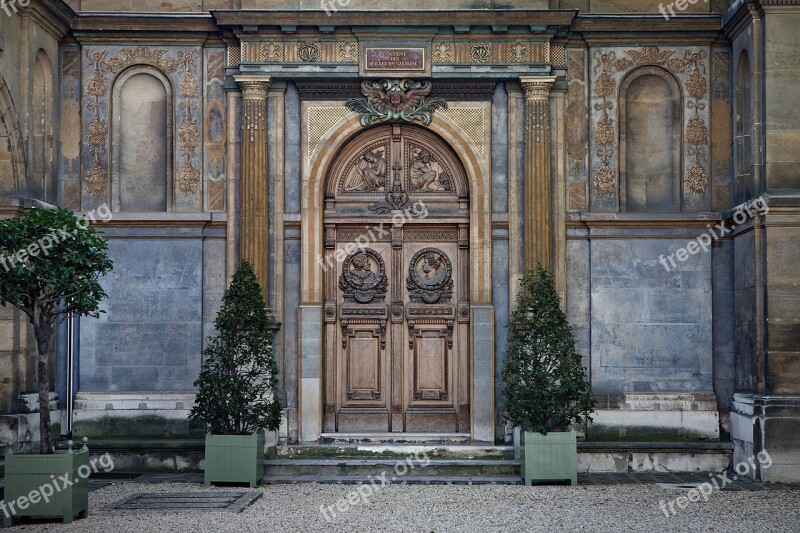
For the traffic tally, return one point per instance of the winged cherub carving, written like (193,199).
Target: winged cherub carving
(396,100)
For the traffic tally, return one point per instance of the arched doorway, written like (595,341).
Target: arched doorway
(396,285)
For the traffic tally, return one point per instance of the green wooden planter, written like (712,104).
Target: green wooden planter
(551,457)
(47,477)
(234,458)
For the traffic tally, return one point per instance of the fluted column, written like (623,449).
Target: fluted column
(538,216)
(253,191)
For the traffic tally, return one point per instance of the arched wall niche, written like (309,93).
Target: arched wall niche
(650,141)
(42,121)
(141,153)
(13,176)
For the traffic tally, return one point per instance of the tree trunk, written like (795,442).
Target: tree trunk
(43,333)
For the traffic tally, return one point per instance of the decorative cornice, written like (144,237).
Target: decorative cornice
(255,87)
(450,90)
(537,88)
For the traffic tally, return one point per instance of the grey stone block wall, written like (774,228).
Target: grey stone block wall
(162,298)
(639,327)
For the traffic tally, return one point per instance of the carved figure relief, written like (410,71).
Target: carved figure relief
(430,277)
(363,277)
(426,174)
(369,174)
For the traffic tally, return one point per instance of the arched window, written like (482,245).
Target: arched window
(650,141)
(142,141)
(743,184)
(41,167)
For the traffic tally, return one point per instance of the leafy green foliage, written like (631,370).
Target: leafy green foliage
(546,387)
(237,384)
(50,264)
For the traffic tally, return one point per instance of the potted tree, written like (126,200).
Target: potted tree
(236,396)
(547,393)
(50,264)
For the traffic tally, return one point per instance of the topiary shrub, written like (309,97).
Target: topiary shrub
(237,383)
(546,386)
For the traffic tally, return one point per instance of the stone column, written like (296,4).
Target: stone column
(538,216)
(253,211)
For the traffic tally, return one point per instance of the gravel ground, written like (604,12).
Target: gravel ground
(441,508)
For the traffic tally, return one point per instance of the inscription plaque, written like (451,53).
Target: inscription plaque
(395,59)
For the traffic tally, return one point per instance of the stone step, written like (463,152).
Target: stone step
(393,451)
(633,457)
(399,467)
(409,479)
(396,438)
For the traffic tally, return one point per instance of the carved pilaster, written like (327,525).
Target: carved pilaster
(253,215)
(538,216)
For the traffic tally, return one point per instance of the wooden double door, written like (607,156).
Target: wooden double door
(397,326)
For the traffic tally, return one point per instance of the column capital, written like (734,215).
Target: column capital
(253,86)
(537,87)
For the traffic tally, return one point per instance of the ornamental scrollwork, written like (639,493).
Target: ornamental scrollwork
(396,100)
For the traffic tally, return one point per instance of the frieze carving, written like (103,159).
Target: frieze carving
(480,52)
(271,51)
(396,100)
(430,277)
(363,277)
(519,52)
(443,52)
(308,51)
(347,51)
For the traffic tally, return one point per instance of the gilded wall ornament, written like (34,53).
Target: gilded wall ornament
(696,179)
(96,131)
(430,277)
(605,180)
(480,52)
(308,51)
(188,176)
(142,55)
(396,100)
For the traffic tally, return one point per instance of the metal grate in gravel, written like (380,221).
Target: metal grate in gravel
(196,501)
